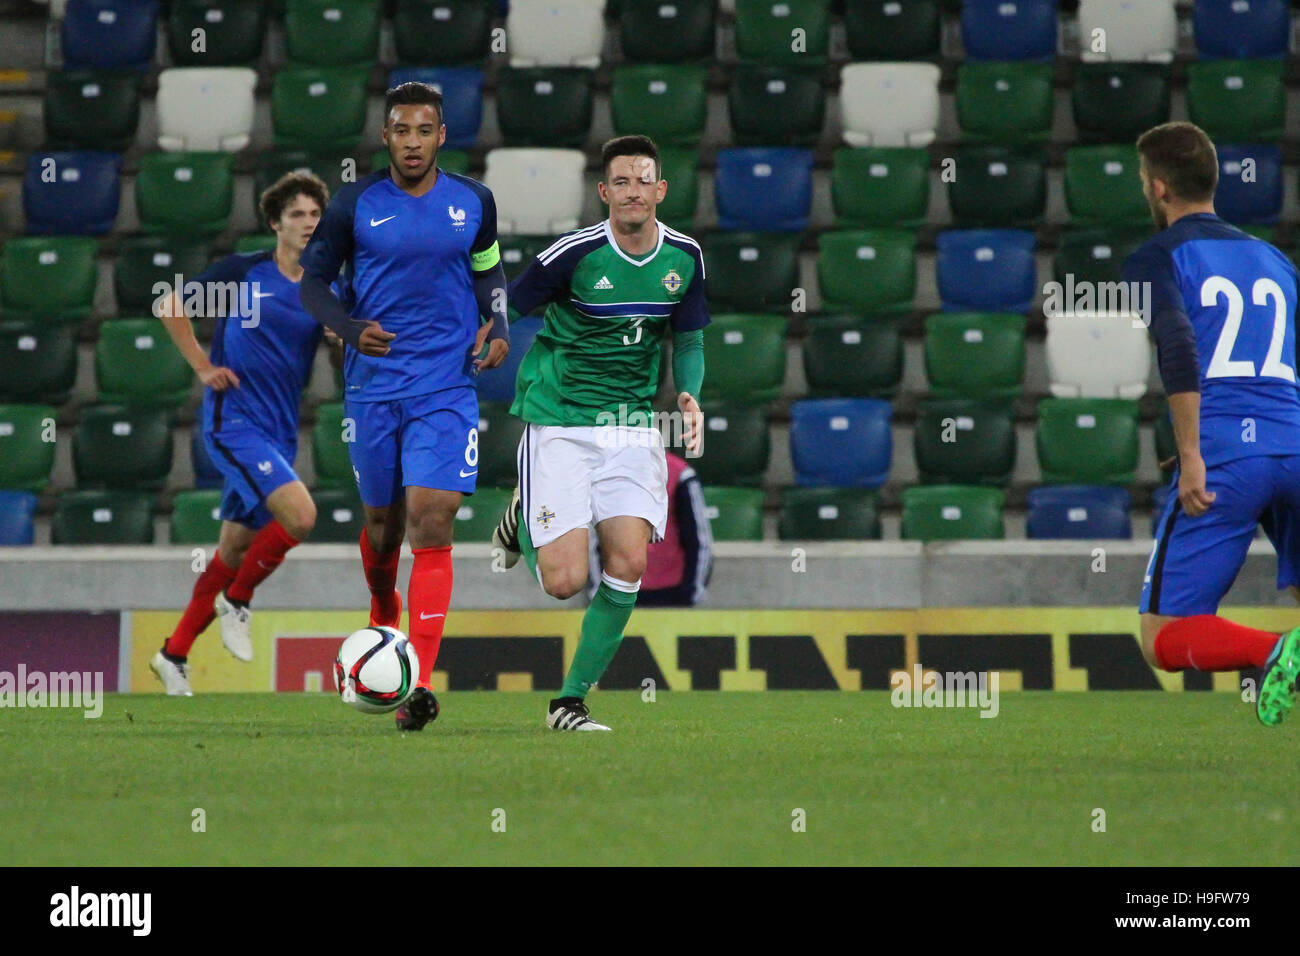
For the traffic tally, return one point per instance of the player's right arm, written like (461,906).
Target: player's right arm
(170,308)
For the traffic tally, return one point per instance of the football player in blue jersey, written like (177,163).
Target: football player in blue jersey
(1221,307)
(423,273)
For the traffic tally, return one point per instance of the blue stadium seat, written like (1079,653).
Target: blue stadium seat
(206,474)
(17,511)
(1243,202)
(110,34)
(1009,29)
(1257,29)
(1079,511)
(498,384)
(81,197)
(986,270)
(841,442)
(764,189)
(462,99)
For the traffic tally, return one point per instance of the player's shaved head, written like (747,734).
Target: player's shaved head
(1181,156)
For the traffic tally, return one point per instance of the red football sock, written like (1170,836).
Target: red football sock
(381,578)
(428,597)
(198,613)
(264,555)
(1206,642)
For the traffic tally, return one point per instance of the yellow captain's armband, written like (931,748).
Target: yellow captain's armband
(482,261)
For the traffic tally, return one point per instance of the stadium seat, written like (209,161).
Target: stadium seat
(751,270)
(71,193)
(1249,200)
(48,278)
(667,102)
(1005,102)
(446,32)
(998,185)
(1128,31)
(206,474)
(850,356)
(27,434)
(498,441)
(964,441)
(736,445)
(656,32)
(103,517)
(339,516)
(91,109)
(329,451)
(867,270)
(462,99)
(517,252)
(776,106)
(259,242)
(952,513)
(1117,102)
(274,163)
(17,518)
(205,109)
(680,167)
(539,192)
(889,104)
(109,34)
(545,106)
(137,364)
(747,193)
(765,31)
(1241,30)
(556,33)
(735,514)
(38,361)
(120,446)
(319,109)
(196,517)
(332,33)
(498,384)
(998,30)
(986,270)
(143,261)
(1102,185)
(745,356)
(829,514)
(1087,441)
(232,32)
(478,515)
(1095,255)
(841,442)
(975,354)
(890,30)
(880,186)
(187,194)
(1238,101)
(1098,356)
(1078,512)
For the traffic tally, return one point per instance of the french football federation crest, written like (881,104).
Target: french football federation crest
(672,281)
(457,216)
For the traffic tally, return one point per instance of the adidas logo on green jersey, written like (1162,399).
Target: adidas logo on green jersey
(604,283)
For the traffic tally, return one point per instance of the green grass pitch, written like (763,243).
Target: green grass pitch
(692,778)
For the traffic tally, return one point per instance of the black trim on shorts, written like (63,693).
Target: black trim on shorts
(226,453)
(1162,548)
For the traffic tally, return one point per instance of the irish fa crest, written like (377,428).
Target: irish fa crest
(672,281)
(545,517)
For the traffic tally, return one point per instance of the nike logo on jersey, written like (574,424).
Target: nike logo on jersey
(604,283)
(466,474)
(263,295)
(264,467)
(380,222)
(429,617)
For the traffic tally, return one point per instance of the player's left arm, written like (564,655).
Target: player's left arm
(489,288)
(689,318)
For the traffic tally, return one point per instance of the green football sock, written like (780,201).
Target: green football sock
(526,546)
(602,632)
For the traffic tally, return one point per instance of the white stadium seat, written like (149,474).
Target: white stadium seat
(1131,30)
(889,104)
(539,192)
(205,109)
(556,33)
(1097,356)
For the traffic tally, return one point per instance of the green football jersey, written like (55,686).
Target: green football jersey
(597,354)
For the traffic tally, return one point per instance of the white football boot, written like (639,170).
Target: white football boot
(234,627)
(568,713)
(174,677)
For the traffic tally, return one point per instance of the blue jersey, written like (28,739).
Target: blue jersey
(268,339)
(412,263)
(1239,295)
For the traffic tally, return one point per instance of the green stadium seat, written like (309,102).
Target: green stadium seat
(658,32)
(27,436)
(340,516)
(667,102)
(852,356)
(498,441)
(735,514)
(233,31)
(445,32)
(751,271)
(998,186)
(975,354)
(144,261)
(776,106)
(964,441)
(91,109)
(1095,255)
(103,517)
(744,355)
(38,362)
(518,251)
(259,242)
(880,186)
(680,168)
(736,445)
(1117,102)
(137,364)
(1087,441)
(867,270)
(120,446)
(329,451)
(189,194)
(1102,186)
(272,164)
(196,517)
(829,514)
(319,109)
(886,30)
(1005,102)
(50,278)
(1238,101)
(479,514)
(765,31)
(952,513)
(545,106)
(332,32)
